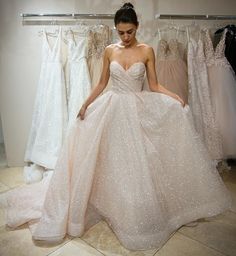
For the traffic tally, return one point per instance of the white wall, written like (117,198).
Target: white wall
(20,48)
(197,7)
(1,134)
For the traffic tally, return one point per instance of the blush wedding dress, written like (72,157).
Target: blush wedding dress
(134,161)
(171,69)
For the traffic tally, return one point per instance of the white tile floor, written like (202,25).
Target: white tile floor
(212,237)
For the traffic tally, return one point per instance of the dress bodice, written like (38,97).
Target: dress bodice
(215,57)
(196,50)
(78,49)
(129,80)
(174,48)
(168,50)
(99,38)
(51,53)
(162,49)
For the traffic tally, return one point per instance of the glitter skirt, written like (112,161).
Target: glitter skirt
(135,162)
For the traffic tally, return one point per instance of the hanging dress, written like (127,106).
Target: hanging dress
(78,77)
(50,110)
(200,101)
(230,43)
(222,82)
(145,182)
(100,39)
(171,68)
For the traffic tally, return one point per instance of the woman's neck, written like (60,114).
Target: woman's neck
(132,45)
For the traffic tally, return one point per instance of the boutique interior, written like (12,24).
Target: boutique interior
(187,37)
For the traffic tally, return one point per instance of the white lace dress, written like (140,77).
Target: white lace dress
(50,110)
(200,101)
(78,77)
(222,82)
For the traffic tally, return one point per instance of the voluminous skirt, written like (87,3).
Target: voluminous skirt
(135,161)
(223,90)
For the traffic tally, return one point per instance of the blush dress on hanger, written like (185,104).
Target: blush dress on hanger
(171,68)
(134,161)
(99,40)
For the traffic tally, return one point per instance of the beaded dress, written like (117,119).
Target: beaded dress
(100,38)
(171,68)
(222,82)
(200,100)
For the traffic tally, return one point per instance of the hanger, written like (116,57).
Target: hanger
(50,33)
(230,27)
(172,26)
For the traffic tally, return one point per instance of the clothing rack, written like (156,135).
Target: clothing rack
(61,19)
(195,17)
(72,15)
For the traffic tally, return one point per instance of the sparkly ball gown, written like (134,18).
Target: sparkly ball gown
(135,162)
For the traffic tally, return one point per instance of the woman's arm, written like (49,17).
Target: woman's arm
(152,78)
(101,84)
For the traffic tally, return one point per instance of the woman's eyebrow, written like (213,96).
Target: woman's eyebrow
(125,31)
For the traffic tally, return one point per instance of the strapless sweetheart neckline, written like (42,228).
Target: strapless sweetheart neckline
(126,70)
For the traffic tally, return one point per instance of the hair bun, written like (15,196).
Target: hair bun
(128,5)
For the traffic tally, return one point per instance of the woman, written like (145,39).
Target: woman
(127,53)
(132,158)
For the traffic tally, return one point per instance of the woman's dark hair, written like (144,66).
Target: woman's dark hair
(126,14)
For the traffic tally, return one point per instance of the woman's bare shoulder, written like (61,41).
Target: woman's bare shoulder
(113,46)
(146,49)
(144,46)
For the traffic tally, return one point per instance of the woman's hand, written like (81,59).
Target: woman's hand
(81,113)
(180,100)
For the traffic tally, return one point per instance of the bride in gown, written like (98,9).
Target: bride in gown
(132,158)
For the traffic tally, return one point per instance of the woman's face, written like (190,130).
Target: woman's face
(126,32)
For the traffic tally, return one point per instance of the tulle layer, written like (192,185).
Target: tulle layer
(136,162)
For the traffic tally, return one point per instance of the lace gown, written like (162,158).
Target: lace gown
(171,69)
(145,182)
(100,39)
(49,119)
(200,101)
(222,82)
(78,77)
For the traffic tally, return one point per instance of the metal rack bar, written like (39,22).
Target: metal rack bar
(195,17)
(69,15)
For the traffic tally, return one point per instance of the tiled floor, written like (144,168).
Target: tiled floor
(212,237)
(3,162)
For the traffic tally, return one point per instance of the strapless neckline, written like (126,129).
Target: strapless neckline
(130,67)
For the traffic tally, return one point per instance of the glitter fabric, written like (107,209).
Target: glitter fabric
(135,161)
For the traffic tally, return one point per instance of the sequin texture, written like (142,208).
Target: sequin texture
(135,161)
